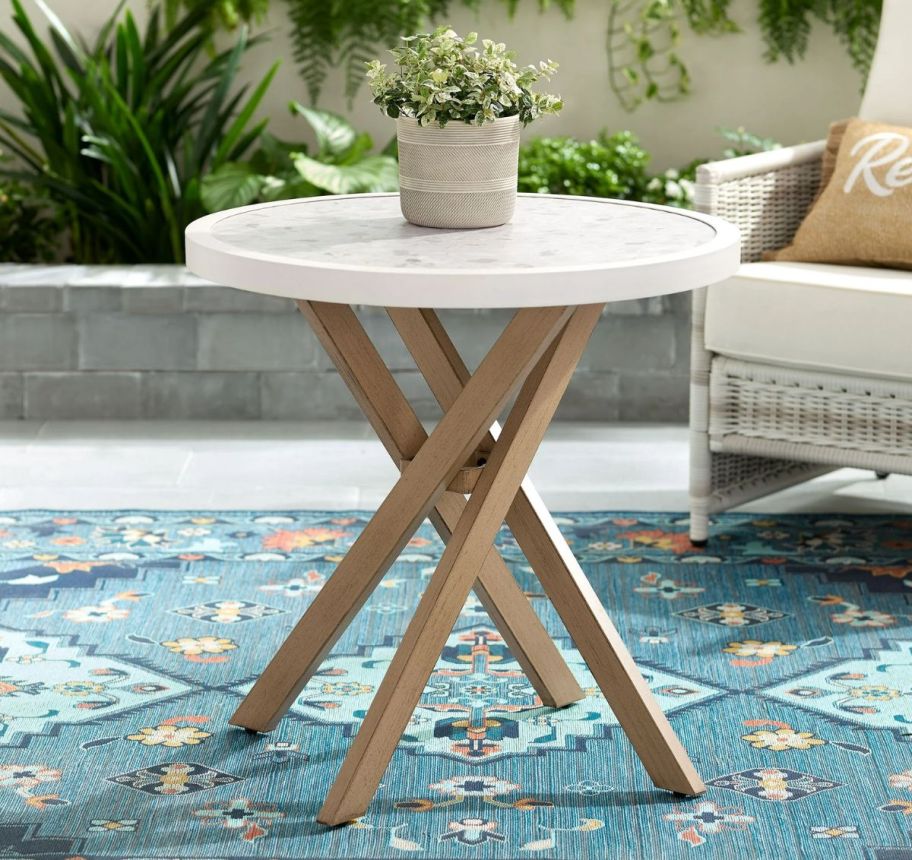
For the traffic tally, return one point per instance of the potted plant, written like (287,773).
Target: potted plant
(458,113)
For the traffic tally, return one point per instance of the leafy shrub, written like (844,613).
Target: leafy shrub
(120,132)
(609,166)
(617,166)
(279,170)
(443,77)
(29,227)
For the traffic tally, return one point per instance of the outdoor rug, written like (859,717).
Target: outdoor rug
(782,653)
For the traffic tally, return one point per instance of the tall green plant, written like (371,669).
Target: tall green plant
(120,132)
(348,33)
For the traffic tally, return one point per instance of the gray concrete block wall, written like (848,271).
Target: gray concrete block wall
(147,342)
(124,341)
(78,394)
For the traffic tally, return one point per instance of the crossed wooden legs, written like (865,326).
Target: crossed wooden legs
(563,580)
(539,350)
(400,431)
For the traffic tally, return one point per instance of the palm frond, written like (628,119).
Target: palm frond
(121,132)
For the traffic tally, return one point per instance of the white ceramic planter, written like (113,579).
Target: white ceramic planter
(459,176)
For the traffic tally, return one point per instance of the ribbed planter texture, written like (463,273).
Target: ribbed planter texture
(460,176)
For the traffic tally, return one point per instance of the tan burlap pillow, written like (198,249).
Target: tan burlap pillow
(834,141)
(863,216)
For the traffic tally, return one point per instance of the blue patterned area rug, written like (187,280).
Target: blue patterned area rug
(782,653)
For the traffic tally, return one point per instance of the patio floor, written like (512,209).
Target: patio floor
(333,466)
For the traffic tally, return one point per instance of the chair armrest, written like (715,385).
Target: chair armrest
(766,194)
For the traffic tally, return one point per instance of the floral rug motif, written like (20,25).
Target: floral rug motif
(782,653)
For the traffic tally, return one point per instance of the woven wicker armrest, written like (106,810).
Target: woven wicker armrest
(766,194)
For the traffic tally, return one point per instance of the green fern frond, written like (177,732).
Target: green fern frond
(315,40)
(346,33)
(786,27)
(354,59)
(856,23)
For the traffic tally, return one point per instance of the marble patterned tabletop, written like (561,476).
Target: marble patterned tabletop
(544,232)
(361,246)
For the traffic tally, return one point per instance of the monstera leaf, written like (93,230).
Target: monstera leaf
(374,173)
(334,134)
(233,184)
(279,170)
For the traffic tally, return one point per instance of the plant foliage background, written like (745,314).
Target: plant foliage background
(642,37)
(121,140)
(348,33)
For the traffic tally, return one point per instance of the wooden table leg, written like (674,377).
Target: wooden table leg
(402,434)
(405,680)
(563,580)
(517,350)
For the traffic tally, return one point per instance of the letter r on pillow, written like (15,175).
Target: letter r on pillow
(885,147)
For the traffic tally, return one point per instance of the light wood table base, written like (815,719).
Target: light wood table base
(535,355)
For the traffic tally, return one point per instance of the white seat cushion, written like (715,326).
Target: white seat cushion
(844,319)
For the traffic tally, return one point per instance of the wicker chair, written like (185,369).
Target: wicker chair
(798,368)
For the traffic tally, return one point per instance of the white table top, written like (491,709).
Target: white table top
(358,249)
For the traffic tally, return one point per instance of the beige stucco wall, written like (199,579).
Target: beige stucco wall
(732,84)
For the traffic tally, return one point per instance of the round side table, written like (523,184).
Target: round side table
(559,261)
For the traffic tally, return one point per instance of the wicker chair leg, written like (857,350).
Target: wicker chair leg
(700,485)
(699,525)
(700,496)
(700,456)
